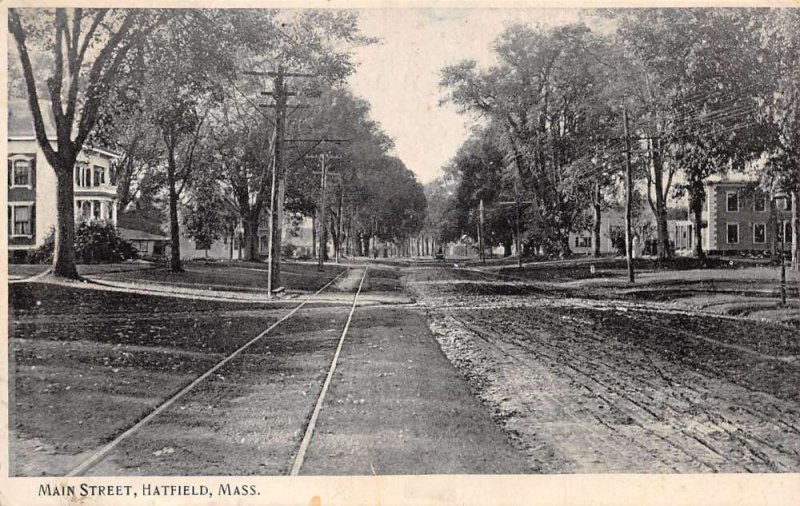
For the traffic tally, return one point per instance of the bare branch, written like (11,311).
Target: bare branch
(16,28)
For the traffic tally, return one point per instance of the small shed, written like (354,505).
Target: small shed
(146,243)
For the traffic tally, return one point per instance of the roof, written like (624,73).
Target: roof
(139,235)
(20,123)
(141,220)
(20,119)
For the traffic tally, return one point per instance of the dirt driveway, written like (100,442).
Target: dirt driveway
(611,387)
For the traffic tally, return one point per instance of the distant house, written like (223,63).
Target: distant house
(148,245)
(300,239)
(32,182)
(738,217)
(142,228)
(612,223)
(230,246)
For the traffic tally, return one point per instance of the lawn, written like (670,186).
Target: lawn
(236,276)
(19,271)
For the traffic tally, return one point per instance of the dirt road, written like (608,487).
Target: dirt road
(610,387)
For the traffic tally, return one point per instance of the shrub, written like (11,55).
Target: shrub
(44,253)
(289,250)
(98,242)
(95,242)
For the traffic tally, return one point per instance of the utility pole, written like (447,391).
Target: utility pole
(480,234)
(783,260)
(269,246)
(280,93)
(519,240)
(276,213)
(628,198)
(323,236)
(339,224)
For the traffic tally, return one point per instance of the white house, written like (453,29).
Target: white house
(611,222)
(32,182)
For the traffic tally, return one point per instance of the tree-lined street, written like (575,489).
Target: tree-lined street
(248,272)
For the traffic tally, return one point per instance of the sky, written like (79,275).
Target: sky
(400,75)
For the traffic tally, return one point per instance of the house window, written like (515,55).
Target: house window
(20,220)
(784,204)
(759,233)
(760,203)
(733,202)
(785,230)
(83,175)
(583,242)
(733,233)
(22,174)
(99,176)
(86,209)
(96,210)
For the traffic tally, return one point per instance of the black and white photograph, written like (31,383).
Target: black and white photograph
(418,241)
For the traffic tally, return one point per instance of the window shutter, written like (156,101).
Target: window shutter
(33,171)
(10,173)
(33,222)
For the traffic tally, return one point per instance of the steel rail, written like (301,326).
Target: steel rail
(312,423)
(103,452)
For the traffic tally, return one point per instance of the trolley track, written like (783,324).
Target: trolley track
(103,452)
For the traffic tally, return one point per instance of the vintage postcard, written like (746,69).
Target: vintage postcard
(459,253)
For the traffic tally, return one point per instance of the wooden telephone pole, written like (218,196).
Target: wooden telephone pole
(628,198)
(481,231)
(280,94)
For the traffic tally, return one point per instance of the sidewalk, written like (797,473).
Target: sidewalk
(398,406)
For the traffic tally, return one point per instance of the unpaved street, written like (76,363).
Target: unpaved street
(588,386)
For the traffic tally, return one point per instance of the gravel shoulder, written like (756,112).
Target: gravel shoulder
(614,388)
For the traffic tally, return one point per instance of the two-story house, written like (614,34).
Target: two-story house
(738,217)
(32,183)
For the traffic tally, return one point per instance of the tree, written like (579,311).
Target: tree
(478,169)
(90,50)
(140,152)
(336,114)
(780,43)
(539,97)
(243,143)
(439,195)
(703,116)
(207,217)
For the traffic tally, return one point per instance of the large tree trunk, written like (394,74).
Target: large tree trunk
(314,235)
(660,211)
(174,232)
(564,250)
(696,198)
(64,254)
(774,224)
(250,226)
(507,247)
(596,224)
(333,226)
(795,229)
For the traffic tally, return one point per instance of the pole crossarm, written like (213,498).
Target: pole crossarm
(514,202)
(319,140)
(272,73)
(286,94)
